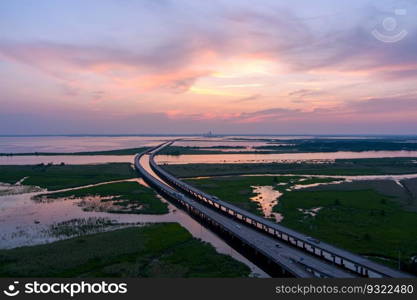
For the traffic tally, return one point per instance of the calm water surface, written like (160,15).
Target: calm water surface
(29,144)
(67,159)
(280,157)
(325,157)
(24,221)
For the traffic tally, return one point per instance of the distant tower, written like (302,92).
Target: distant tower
(209,134)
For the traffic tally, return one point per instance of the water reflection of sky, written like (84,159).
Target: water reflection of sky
(74,143)
(24,221)
(325,157)
(279,157)
(25,144)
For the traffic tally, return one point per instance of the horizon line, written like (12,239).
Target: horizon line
(205,135)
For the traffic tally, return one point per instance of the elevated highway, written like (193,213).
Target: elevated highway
(293,253)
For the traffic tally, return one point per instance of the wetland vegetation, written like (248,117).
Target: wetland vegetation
(363,221)
(369,166)
(79,226)
(127,151)
(159,250)
(302,146)
(374,218)
(333,145)
(55,177)
(239,190)
(119,197)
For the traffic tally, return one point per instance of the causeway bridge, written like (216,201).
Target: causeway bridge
(282,252)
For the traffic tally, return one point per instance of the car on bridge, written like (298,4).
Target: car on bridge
(313,240)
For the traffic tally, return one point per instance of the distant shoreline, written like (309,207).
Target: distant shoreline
(201,135)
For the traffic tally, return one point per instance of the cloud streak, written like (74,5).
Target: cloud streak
(230,62)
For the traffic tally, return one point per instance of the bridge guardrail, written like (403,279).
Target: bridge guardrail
(341,257)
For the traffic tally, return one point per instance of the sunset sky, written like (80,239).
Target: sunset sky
(190,66)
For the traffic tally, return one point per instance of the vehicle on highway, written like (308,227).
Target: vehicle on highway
(313,240)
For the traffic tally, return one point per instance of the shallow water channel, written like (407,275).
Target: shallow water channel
(24,221)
